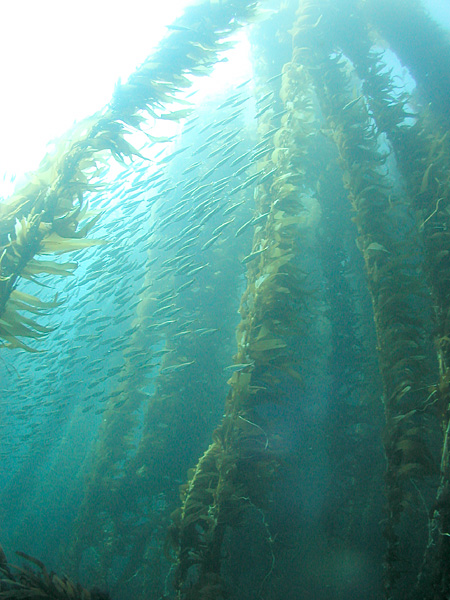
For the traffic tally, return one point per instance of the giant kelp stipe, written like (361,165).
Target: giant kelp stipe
(237,386)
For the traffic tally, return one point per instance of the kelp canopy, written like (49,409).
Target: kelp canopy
(313,424)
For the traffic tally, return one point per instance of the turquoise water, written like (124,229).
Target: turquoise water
(241,390)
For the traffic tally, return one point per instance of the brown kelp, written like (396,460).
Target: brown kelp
(24,582)
(234,476)
(426,147)
(392,277)
(399,22)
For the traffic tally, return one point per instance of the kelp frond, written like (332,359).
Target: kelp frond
(20,583)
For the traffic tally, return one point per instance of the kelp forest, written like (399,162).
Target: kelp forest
(225,320)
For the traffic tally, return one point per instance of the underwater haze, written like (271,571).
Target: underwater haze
(225,316)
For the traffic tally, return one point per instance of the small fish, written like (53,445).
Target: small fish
(268,175)
(279,114)
(178,28)
(252,256)
(191,168)
(231,147)
(264,98)
(245,226)
(211,241)
(211,137)
(196,270)
(165,323)
(232,117)
(215,152)
(164,273)
(269,133)
(238,367)
(162,352)
(210,214)
(185,267)
(208,174)
(202,147)
(244,83)
(263,110)
(205,128)
(182,333)
(179,367)
(241,101)
(219,187)
(163,309)
(352,103)
(260,153)
(241,170)
(185,285)
(274,78)
(206,331)
(229,100)
(222,162)
(233,207)
(219,228)
(257,220)
(176,115)
(114,371)
(249,181)
(226,136)
(240,158)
